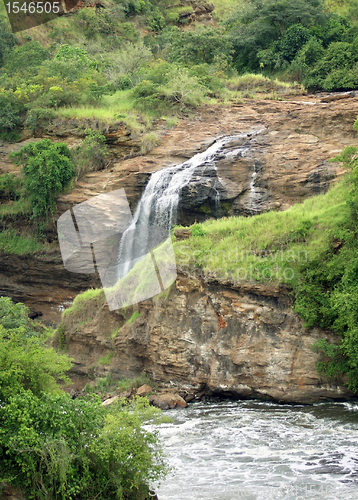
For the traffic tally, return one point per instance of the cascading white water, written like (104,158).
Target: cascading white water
(254,450)
(158,205)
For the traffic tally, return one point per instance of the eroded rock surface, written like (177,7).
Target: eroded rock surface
(289,160)
(241,341)
(284,164)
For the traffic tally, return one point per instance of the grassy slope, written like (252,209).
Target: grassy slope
(269,247)
(265,247)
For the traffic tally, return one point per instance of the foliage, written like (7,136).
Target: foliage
(127,384)
(48,168)
(54,447)
(132,58)
(197,230)
(91,155)
(25,363)
(327,293)
(134,316)
(11,112)
(13,316)
(204,45)
(10,186)
(180,89)
(27,58)
(7,40)
(264,23)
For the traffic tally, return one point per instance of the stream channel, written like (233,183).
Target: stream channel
(254,450)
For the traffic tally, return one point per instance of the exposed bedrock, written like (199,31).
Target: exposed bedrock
(284,164)
(242,341)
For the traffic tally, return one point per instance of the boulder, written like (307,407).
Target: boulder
(167,401)
(144,390)
(110,401)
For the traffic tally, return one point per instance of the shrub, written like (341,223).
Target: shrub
(25,363)
(11,113)
(15,315)
(27,58)
(148,142)
(327,291)
(55,447)
(91,155)
(132,58)
(295,38)
(7,41)
(10,186)
(184,89)
(48,169)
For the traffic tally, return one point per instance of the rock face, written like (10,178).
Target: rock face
(242,341)
(42,282)
(284,164)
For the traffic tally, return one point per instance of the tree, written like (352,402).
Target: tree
(25,363)
(55,447)
(26,58)
(264,22)
(7,40)
(132,58)
(48,169)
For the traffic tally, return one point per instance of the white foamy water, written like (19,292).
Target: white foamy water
(259,451)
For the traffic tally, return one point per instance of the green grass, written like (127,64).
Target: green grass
(16,208)
(267,247)
(12,243)
(127,384)
(257,83)
(134,316)
(82,299)
(106,360)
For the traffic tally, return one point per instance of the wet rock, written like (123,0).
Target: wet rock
(290,160)
(167,401)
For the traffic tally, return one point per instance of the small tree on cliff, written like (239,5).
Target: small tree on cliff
(48,169)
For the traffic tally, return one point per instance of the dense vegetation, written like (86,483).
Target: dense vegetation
(97,63)
(52,446)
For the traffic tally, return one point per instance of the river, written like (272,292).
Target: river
(253,450)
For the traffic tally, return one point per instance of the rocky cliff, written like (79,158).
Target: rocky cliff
(241,341)
(289,160)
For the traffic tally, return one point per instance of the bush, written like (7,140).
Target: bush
(295,38)
(204,45)
(52,446)
(91,155)
(48,169)
(55,447)
(11,113)
(335,70)
(25,363)
(10,187)
(132,58)
(13,316)
(26,58)
(327,290)
(7,41)
(183,89)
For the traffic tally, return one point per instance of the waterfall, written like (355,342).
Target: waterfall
(158,205)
